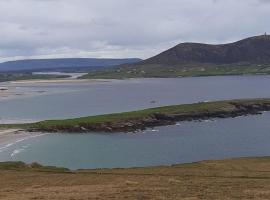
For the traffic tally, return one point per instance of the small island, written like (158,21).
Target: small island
(149,118)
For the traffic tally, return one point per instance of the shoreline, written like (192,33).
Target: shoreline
(67,80)
(9,134)
(12,91)
(9,137)
(90,80)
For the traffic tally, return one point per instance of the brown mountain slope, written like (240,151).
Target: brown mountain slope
(248,56)
(251,50)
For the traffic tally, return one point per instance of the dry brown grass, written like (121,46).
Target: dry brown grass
(246,178)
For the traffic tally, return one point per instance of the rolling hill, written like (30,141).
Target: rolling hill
(247,56)
(68,64)
(250,50)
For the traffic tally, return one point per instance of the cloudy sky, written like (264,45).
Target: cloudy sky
(122,28)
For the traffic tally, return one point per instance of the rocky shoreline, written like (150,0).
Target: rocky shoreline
(160,119)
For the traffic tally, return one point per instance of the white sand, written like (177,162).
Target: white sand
(13,87)
(52,81)
(10,134)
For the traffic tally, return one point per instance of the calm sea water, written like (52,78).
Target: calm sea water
(84,99)
(185,142)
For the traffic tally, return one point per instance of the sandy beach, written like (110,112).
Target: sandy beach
(8,136)
(12,89)
(67,80)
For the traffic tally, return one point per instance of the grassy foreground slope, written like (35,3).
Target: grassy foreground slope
(244,178)
(139,120)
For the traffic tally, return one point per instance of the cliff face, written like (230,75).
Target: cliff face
(250,50)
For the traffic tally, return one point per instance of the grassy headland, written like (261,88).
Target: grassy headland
(139,120)
(244,178)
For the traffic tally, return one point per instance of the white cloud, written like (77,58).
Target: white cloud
(122,28)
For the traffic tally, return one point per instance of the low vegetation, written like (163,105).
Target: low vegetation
(244,178)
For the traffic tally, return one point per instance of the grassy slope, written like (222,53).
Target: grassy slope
(185,109)
(244,178)
(159,71)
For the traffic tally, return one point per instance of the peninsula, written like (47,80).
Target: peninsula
(148,118)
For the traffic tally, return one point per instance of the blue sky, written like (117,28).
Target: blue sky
(122,28)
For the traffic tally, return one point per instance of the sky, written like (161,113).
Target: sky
(122,28)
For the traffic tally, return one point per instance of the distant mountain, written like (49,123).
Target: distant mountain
(250,50)
(63,64)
